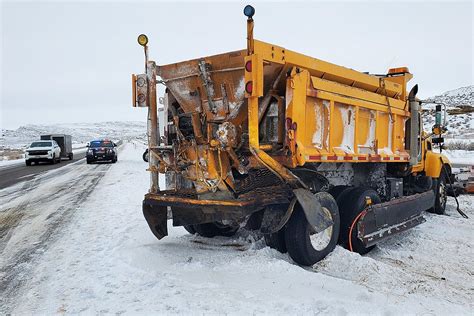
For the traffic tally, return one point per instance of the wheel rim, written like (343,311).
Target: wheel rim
(321,240)
(442,194)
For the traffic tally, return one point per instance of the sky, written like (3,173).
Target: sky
(65,62)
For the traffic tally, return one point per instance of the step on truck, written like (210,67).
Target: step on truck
(309,153)
(64,141)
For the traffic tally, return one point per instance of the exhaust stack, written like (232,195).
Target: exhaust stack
(414,126)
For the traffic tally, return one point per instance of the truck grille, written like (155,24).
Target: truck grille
(38,152)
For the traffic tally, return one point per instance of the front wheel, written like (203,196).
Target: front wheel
(304,245)
(276,240)
(441,195)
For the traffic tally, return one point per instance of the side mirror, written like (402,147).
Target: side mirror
(115,145)
(88,145)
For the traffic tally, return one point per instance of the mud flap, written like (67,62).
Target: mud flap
(156,217)
(313,211)
(386,219)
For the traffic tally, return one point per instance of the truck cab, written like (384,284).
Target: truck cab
(43,151)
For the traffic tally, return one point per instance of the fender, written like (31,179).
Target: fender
(313,211)
(434,164)
(276,217)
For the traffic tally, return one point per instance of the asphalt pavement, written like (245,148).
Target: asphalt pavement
(12,174)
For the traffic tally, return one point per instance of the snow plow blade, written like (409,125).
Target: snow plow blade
(392,217)
(156,216)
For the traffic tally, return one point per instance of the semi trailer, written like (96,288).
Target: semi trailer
(307,152)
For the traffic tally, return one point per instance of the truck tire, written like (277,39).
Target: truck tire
(28,163)
(337,190)
(53,161)
(305,247)
(145,156)
(190,229)
(441,195)
(276,240)
(71,156)
(351,203)
(215,229)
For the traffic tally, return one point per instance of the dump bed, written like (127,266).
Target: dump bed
(341,114)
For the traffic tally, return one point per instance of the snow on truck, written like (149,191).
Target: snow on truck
(307,152)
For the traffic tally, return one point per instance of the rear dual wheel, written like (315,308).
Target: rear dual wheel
(351,202)
(212,229)
(276,240)
(304,245)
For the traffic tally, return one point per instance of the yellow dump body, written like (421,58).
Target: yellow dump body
(326,113)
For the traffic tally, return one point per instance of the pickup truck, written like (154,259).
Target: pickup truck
(43,151)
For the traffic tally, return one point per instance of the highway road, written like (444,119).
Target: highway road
(12,174)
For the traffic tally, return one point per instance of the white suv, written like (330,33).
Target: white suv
(43,150)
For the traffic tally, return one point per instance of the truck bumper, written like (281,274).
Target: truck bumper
(186,208)
(39,158)
(100,157)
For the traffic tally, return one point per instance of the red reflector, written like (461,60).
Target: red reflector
(248,66)
(249,87)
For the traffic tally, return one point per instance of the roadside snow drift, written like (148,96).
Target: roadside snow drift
(104,259)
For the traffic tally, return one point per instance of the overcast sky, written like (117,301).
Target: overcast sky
(72,62)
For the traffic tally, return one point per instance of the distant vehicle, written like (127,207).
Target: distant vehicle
(101,150)
(64,141)
(43,151)
(463,181)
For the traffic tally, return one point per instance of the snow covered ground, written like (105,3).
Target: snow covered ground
(462,157)
(95,254)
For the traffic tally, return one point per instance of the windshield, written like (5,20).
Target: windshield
(41,144)
(101,143)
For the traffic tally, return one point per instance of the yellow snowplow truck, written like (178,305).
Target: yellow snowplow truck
(309,153)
